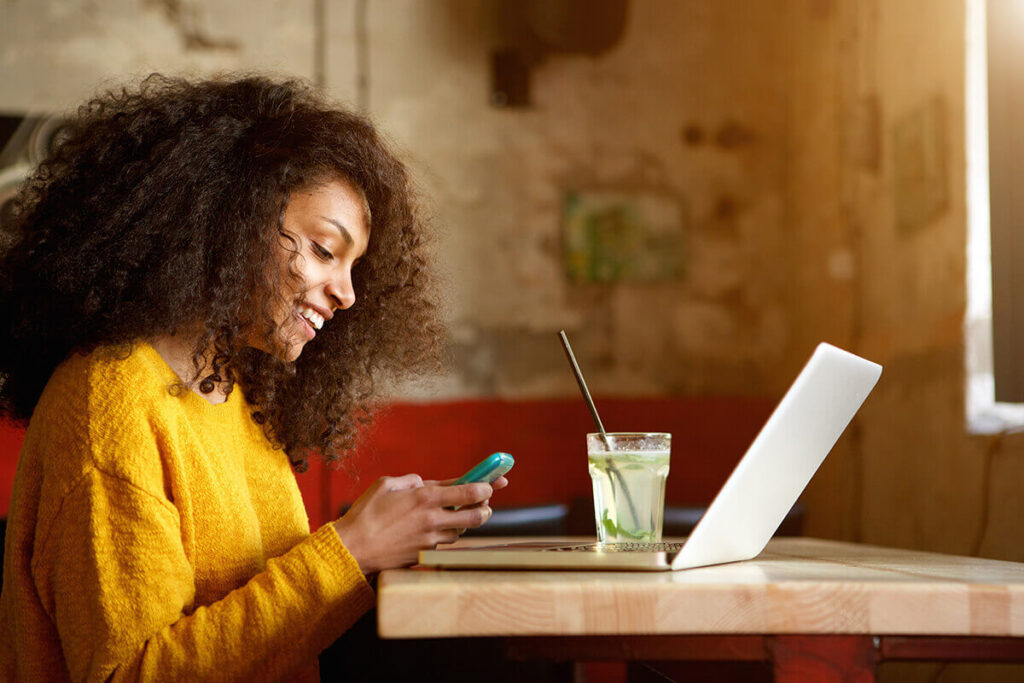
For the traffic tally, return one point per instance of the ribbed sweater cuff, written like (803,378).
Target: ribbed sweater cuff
(343,591)
(349,577)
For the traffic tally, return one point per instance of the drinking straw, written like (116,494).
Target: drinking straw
(612,469)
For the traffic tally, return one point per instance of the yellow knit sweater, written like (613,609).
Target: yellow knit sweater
(159,537)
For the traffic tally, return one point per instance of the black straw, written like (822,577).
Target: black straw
(612,469)
(583,388)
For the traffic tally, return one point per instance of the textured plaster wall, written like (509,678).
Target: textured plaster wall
(496,180)
(54,53)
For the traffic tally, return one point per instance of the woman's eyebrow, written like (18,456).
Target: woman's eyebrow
(342,229)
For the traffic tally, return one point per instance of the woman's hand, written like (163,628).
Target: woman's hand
(399,516)
(497,484)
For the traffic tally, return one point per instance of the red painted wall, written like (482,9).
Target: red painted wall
(443,440)
(10,445)
(547,439)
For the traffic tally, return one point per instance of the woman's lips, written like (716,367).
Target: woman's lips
(307,328)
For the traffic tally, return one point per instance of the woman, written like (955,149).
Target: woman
(184,241)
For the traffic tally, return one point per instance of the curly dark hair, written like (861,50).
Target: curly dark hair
(161,208)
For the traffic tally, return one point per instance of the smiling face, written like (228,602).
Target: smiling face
(326,233)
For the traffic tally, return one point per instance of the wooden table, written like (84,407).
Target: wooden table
(818,610)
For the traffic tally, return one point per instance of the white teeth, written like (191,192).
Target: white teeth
(314,318)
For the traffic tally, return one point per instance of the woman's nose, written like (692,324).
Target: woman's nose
(341,293)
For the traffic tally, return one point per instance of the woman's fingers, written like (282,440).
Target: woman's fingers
(466,518)
(408,481)
(446,536)
(463,494)
(499,483)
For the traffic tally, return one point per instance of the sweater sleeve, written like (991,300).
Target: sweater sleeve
(113,576)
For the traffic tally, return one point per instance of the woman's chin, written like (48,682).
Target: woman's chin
(290,351)
(287,351)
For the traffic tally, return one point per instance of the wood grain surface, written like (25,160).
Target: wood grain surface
(796,586)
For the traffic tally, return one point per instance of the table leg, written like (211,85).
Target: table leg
(823,659)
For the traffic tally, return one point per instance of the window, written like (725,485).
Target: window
(994,325)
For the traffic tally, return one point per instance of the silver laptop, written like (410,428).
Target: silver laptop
(750,506)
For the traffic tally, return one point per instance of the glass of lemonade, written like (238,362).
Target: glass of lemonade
(629,485)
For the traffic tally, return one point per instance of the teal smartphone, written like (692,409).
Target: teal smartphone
(488,469)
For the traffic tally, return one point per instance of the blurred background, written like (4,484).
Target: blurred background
(697,191)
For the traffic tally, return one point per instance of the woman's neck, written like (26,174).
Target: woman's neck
(176,351)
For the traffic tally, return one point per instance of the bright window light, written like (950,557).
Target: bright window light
(984,414)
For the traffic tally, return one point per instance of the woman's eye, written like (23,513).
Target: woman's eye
(322,253)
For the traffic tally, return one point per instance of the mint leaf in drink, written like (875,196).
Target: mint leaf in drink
(635,534)
(611,530)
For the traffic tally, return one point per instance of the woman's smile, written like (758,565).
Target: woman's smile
(310,320)
(311,316)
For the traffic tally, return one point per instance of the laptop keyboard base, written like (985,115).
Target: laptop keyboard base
(620,548)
